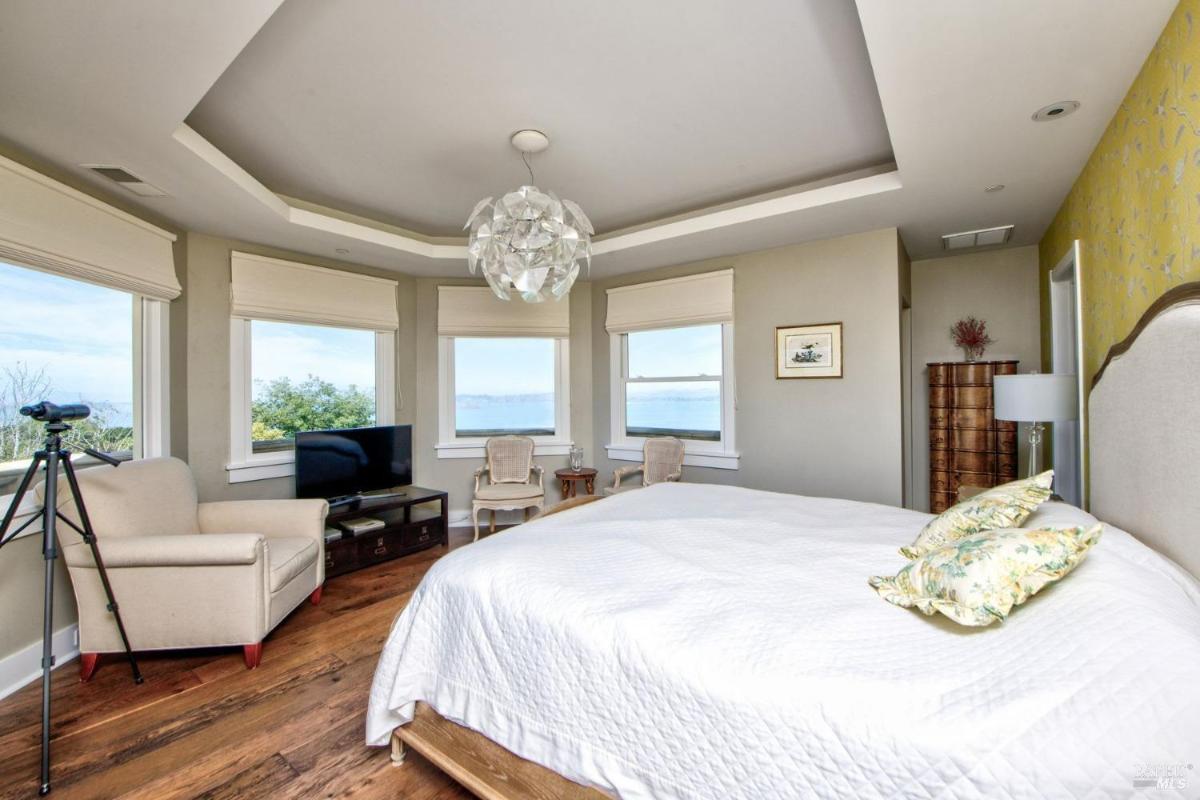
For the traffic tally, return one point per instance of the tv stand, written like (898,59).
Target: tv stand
(414,520)
(354,500)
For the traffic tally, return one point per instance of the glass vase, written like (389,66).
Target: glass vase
(576,458)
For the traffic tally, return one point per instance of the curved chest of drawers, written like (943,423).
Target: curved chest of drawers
(967,444)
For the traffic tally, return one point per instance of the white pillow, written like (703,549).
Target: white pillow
(1057,514)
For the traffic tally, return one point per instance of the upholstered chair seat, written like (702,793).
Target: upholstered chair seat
(509,472)
(188,574)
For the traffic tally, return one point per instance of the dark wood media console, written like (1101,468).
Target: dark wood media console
(410,525)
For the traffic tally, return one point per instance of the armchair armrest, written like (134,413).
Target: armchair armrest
(187,550)
(479,473)
(675,476)
(540,470)
(620,473)
(268,517)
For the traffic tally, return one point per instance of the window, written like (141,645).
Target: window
(289,377)
(493,386)
(675,382)
(308,378)
(69,341)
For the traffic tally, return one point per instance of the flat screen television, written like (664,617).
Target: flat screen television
(345,464)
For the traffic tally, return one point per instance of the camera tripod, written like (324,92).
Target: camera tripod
(52,456)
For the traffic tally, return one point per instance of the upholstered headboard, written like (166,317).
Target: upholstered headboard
(1144,426)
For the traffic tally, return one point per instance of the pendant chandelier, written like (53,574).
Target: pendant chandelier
(529,242)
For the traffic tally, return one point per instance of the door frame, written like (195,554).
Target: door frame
(1066,304)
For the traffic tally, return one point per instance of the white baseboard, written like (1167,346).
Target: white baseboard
(25,666)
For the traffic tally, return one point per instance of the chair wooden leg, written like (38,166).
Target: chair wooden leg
(475,519)
(315,597)
(527,509)
(87,666)
(492,522)
(253,654)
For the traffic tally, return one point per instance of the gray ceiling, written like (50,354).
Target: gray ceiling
(402,111)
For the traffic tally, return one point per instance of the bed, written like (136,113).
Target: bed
(717,642)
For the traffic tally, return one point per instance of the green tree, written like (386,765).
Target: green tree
(283,408)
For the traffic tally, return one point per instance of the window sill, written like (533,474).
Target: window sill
(261,468)
(475,449)
(692,456)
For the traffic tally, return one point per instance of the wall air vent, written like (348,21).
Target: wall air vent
(127,180)
(985,237)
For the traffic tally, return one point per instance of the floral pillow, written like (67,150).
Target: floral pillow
(1004,506)
(980,578)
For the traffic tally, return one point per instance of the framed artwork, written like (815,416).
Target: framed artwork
(808,351)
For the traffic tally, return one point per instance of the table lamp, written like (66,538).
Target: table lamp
(1036,398)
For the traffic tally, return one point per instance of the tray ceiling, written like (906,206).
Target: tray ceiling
(401,112)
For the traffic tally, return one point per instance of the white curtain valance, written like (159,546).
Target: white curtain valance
(701,299)
(285,291)
(476,311)
(50,226)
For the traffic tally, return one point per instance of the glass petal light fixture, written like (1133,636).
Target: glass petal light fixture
(529,242)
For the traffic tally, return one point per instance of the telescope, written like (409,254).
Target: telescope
(50,412)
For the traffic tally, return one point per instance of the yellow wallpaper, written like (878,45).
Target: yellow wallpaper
(1136,205)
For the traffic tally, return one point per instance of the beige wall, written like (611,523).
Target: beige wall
(839,437)
(998,286)
(456,474)
(207,388)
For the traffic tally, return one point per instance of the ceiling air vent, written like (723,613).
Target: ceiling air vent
(981,238)
(127,179)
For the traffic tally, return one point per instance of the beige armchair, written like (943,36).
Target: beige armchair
(189,574)
(662,460)
(510,470)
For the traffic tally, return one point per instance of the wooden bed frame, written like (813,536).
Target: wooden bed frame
(483,767)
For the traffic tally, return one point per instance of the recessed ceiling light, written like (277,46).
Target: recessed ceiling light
(1055,110)
(341,251)
(995,187)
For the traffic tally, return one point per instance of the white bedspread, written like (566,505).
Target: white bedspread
(698,641)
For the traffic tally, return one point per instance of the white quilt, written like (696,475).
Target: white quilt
(699,641)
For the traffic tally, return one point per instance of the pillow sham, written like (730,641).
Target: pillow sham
(980,578)
(1004,506)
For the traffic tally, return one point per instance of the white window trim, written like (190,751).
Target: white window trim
(622,447)
(450,445)
(151,397)
(246,465)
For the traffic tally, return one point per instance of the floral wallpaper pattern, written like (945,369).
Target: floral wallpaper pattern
(1136,205)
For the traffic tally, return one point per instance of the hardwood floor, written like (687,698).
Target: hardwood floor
(203,726)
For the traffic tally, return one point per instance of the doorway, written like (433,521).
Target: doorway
(1066,357)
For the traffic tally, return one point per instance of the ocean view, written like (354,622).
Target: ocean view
(696,409)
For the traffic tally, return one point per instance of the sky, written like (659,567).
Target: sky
(675,352)
(503,366)
(82,334)
(340,356)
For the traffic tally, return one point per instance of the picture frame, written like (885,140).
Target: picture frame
(808,351)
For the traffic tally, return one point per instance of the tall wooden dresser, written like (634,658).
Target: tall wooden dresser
(967,444)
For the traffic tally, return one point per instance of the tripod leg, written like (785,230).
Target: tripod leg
(89,536)
(49,554)
(27,479)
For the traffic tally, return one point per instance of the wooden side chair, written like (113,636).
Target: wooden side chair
(662,460)
(510,485)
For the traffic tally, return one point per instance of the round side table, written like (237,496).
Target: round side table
(569,480)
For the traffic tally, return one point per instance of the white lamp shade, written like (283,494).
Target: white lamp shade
(1036,397)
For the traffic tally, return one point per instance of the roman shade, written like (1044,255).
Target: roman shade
(50,226)
(476,311)
(285,291)
(701,299)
